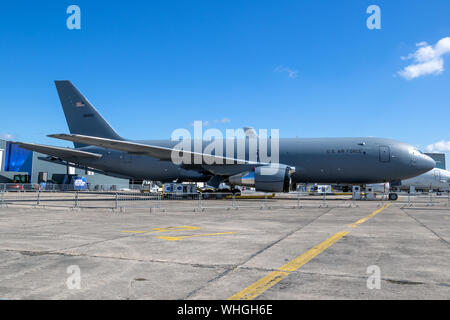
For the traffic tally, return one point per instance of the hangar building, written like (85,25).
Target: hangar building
(439,158)
(16,160)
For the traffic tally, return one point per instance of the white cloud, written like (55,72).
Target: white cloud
(441,146)
(208,123)
(224,120)
(427,59)
(204,123)
(7,136)
(435,66)
(292,73)
(422,44)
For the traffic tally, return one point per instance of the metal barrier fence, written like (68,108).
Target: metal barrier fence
(134,199)
(425,200)
(22,187)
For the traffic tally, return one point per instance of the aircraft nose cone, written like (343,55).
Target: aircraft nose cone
(425,163)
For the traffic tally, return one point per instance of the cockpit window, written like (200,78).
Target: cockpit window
(415,151)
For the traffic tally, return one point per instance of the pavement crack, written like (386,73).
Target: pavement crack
(425,226)
(41,253)
(240,264)
(283,238)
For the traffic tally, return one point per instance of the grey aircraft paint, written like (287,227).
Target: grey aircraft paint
(321,160)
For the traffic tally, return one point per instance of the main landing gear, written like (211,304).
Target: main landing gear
(393,196)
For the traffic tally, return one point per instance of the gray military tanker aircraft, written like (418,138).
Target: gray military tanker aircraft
(355,161)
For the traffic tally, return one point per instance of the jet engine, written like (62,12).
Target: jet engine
(271,178)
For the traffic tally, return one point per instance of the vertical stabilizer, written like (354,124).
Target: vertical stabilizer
(81,116)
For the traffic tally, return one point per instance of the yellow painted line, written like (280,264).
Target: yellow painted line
(360,221)
(260,286)
(193,236)
(169,229)
(274,277)
(312,253)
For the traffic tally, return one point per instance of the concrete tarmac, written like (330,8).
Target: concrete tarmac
(334,252)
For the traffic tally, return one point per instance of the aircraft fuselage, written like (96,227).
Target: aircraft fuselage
(321,160)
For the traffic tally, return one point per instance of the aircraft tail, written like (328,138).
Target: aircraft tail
(81,116)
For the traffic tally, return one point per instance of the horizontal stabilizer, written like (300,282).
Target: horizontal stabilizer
(58,151)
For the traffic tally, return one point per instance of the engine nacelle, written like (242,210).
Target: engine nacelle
(273,178)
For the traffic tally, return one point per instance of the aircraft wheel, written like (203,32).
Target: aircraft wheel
(393,196)
(236,191)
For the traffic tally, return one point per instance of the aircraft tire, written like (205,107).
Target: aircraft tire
(393,196)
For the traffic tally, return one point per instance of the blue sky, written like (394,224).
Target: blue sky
(309,68)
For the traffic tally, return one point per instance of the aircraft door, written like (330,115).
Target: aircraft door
(437,175)
(385,154)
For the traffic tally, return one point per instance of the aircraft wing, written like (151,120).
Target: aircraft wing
(58,151)
(158,152)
